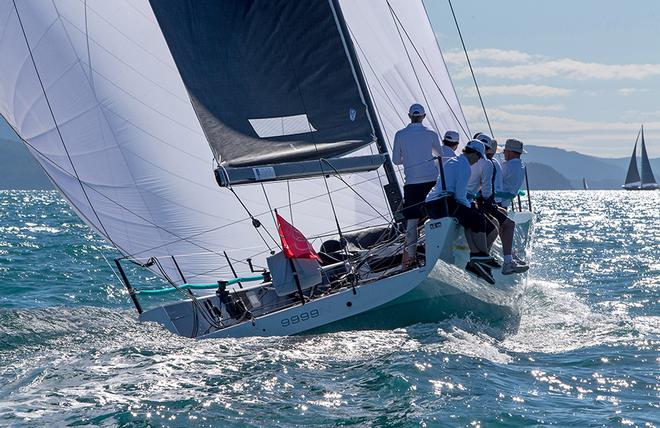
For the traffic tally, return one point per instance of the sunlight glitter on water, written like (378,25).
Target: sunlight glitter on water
(584,352)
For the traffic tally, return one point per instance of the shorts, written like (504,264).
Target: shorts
(470,218)
(437,208)
(413,199)
(497,212)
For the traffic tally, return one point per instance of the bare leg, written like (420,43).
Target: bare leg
(410,243)
(506,234)
(492,236)
(470,241)
(480,242)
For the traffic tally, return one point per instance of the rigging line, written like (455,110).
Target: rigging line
(474,78)
(179,238)
(255,222)
(111,268)
(137,71)
(288,191)
(338,175)
(214,229)
(421,88)
(419,55)
(270,208)
(59,132)
(89,55)
(453,86)
(99,104)
(334,213)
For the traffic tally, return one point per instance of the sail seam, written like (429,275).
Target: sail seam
(431,75)
(34,64)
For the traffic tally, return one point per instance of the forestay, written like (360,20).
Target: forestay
(92,88)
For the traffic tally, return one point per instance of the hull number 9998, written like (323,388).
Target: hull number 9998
(302,317)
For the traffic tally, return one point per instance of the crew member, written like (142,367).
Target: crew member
(449,145)
(513,171)
(479,232)
(506,225)
(480,186)
(415,147)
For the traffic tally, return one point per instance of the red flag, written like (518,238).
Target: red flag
(294,243)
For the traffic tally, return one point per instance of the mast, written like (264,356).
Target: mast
(392,189)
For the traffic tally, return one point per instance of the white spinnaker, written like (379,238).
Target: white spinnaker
(99,101)
(402,64)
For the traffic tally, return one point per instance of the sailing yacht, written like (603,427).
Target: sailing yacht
(240,151)
(633,179)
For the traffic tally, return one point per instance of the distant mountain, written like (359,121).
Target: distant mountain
(18,169)
(548,167)
(544,177)
(601,173)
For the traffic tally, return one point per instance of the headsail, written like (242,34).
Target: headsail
(632,177)
(93,90)
(647,173)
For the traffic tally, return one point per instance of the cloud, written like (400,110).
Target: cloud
(550,124)
(492,55)
(532,107)
(572,69)
(519,90)
(626,92)
(521,65)
(614,138)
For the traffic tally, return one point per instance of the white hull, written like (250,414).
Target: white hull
(430,293)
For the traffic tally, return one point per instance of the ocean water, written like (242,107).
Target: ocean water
(585,353)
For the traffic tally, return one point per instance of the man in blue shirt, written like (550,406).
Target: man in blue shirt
(480,232)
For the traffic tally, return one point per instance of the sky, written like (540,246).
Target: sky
(580,75)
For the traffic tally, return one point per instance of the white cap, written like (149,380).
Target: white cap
(477,146)
(451,137)
(484,138)
(514,145)
(416,110)
(488,142)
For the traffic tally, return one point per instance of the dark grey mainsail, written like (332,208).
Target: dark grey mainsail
(632,177)
(269,79)
(647,173)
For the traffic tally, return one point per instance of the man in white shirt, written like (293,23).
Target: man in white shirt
(415,147)
(513,171)
(480,182)
(506,225)
(449,146)
(479,232)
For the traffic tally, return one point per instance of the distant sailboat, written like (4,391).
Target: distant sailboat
(584,184)
(633,179)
